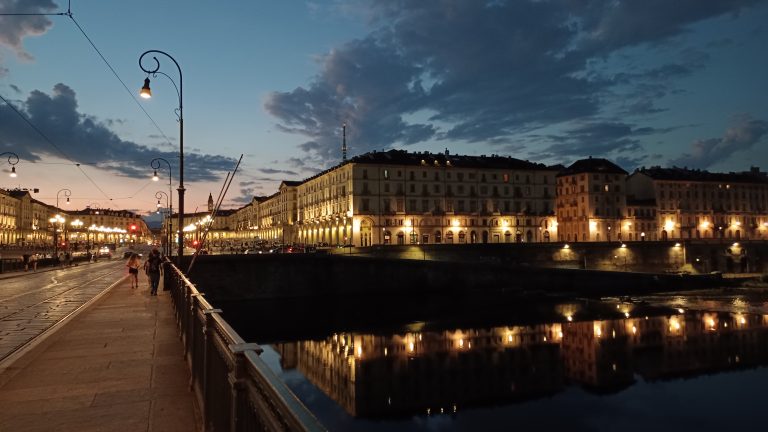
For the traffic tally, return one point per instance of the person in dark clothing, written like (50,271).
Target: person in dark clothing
(152,267)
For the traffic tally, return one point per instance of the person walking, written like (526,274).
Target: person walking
(152,267)
(33,261)
(134,262)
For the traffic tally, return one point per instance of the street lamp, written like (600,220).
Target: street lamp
(155,164)
(168,232)
(13,159)
(54,220)
(147,93)
(76,225)
(67,194)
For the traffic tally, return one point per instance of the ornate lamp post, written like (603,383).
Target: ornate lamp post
(54,220)
(168,232)
(13,159)
(67,194)
(155,164)
(147,93)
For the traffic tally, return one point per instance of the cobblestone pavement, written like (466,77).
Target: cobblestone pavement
(33,302)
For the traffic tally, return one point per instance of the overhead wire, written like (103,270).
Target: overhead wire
(69,14)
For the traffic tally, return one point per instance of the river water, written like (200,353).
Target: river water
(668,362)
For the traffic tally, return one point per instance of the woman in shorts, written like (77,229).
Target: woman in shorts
(134,263)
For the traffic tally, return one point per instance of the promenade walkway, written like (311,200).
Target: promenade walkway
(117,366)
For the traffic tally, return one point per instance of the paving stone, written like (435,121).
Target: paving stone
(104,371)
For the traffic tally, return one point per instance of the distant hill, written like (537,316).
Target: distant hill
(154,221)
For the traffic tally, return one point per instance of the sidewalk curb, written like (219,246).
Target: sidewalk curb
(20,358)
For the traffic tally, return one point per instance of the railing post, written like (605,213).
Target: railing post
(201,370)
(236,380)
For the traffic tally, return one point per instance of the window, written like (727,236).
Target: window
(412,175)
(506,178)
(386,187)
(365,173)
(412,187)
(386,173)
(366,204)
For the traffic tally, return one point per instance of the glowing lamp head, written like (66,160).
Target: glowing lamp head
(145,91)
(155,177)
(13,172)
(67,200)
(158,203)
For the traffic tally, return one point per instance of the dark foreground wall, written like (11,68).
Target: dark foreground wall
(286,276)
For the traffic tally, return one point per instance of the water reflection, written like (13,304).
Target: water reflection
(433,372)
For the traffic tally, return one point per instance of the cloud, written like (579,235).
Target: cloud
(743,134)
(484,71)
(605,138)
(15,88)
(13,29)
(84,138)
(277,171)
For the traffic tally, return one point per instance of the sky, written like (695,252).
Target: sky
(642,83)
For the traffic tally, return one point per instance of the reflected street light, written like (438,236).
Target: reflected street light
(13,159)
(146,93)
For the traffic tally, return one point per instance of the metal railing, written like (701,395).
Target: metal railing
(235,389)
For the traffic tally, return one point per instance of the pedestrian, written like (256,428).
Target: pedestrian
(152,267)
(33,261)
(25,258)
(134,262)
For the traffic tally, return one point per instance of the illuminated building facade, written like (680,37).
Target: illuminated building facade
(591,201)
(396,197)
(401,198)
(97,226)
(693,204)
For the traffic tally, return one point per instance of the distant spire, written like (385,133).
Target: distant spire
(210,202)
(344,142)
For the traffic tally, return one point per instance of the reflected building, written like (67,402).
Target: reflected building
(441,372)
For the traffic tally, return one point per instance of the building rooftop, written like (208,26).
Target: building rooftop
(685,174)
(592,165)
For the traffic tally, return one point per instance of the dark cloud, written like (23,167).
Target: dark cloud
(606,138)
(485,71)
(83,138)
(277,171)
(743,134)
(13,29)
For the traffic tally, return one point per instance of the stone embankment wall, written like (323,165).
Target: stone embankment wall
(306,276)
(652,257)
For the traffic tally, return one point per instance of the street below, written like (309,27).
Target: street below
(35,301)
